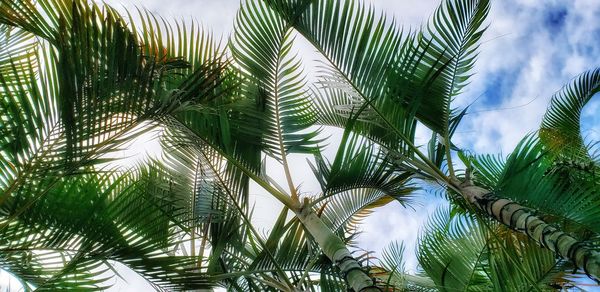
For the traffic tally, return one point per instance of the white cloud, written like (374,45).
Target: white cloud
(540,58)
(218,16)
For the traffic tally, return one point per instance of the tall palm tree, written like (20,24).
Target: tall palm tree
(389,83)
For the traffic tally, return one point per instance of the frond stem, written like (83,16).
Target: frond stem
(282,152)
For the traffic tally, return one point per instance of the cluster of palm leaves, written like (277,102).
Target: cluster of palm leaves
(80,82)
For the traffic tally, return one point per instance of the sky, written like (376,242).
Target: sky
(529,51)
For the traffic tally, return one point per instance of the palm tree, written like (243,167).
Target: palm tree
(371,62)
(389,83)
(79,81)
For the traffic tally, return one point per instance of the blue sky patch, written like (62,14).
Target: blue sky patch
(554,18)
(499,87)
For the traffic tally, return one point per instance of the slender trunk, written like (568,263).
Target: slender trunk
(521,219)
(335,249)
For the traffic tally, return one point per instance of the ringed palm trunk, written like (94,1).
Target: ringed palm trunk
(335,249)
(522,219)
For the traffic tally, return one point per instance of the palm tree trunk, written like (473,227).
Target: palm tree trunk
(521,219)
(335,249)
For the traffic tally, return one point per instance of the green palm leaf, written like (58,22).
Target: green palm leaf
(359,48)
(86,221)
(393,272)
(451,252)
(360,164)
(262,46)
(542,270)
(560,129)
(371,56)
(100,89)
(431,72)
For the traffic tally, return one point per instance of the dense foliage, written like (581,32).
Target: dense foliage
(80,82)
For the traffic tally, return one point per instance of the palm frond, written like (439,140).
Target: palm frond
(86,221)
(337,103)
(451,252)
(538,269)
(437,146)
(106,83)
(262,46)
(361,178)
(99,87)
(300,257)
(393,274)
(378,63)
(359,163)
(359,47)
(560,129)
(435,69)
(32,146)
(473,254)
(344,211)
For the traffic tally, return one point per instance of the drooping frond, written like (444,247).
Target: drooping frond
(106,85)
(95,92)
(361,178)
(165,39)
(32,148)
(361,164)
(561,129)
(344,211)
(517,264)
(27,118)
(85,221)
(451,252)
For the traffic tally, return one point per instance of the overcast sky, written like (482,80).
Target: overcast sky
(529,51)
